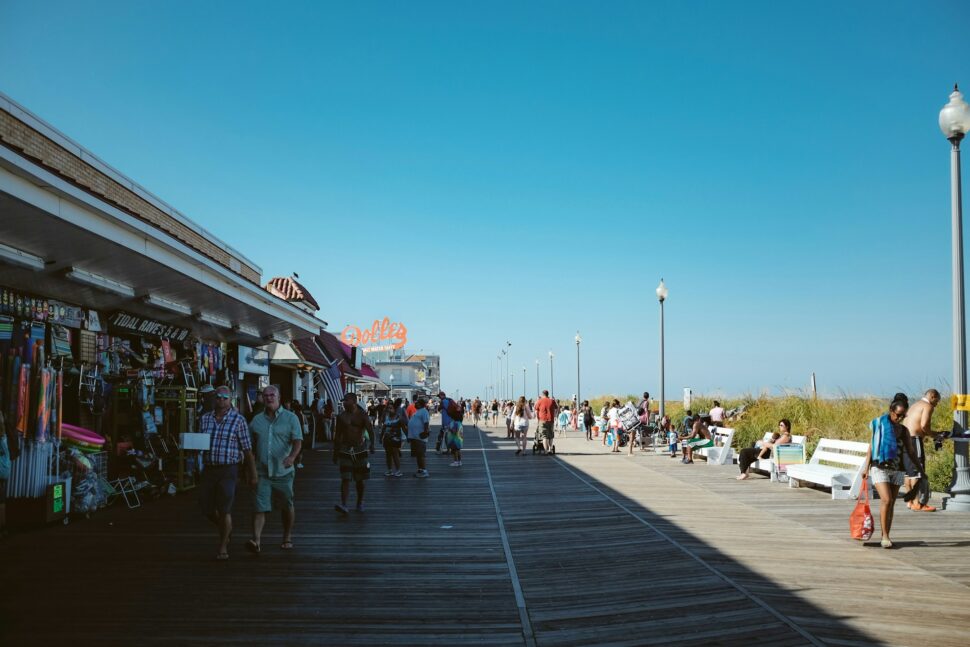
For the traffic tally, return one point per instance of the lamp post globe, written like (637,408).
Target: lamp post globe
(955,116)
(954,123)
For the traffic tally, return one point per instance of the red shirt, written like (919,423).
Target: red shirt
(411,410)
(546,409)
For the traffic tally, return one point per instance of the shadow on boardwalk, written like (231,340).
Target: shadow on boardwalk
(426,564)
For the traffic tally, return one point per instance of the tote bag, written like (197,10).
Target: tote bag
(860,521)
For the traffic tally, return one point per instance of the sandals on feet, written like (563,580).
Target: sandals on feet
(221,557)
(287,545)
(252,547)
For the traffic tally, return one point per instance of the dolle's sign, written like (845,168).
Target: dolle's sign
(380,331)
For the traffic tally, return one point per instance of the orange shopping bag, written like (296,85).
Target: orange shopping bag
(860,521)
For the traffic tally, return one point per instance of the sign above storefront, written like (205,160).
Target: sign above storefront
(125,322)
(254,361)
(370,340)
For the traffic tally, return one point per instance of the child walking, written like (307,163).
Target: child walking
(455,439)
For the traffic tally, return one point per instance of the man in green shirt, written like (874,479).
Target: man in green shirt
(277,439)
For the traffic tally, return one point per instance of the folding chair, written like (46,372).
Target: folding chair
(122,487)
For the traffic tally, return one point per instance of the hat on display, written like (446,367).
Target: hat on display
(207,388)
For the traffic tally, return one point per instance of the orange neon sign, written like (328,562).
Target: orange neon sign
(380,331)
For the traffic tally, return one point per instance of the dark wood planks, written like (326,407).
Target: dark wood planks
(392,575)
(609,550)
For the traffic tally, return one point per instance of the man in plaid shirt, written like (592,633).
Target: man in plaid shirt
(229,445)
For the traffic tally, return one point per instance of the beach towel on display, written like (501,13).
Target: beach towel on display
(60,341)
(23,381)
(6,328)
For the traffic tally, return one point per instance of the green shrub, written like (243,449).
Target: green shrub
(939,466)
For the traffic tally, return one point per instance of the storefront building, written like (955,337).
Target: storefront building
(115,311)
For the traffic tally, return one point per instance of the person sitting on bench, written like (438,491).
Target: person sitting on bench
(700,437)
(751,455)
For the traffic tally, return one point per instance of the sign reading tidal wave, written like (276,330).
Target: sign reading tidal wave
(370,340)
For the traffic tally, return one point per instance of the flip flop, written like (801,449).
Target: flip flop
(221,557)
(287,545)
(252,547)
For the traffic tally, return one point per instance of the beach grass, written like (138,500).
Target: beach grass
(845,418)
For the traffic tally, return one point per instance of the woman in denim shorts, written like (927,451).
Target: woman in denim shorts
(887,473)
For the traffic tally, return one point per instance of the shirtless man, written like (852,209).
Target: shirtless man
(700,437)
(917,421)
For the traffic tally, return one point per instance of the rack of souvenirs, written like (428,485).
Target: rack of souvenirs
(98,405)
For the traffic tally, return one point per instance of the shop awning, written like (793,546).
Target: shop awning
(338,351)
(168,269)
(289,355)
(308,350)
(369,376)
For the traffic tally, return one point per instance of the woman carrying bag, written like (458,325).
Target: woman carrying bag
(884,461)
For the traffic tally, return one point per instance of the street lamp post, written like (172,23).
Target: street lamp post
(523,380)
(955,122)
(508,356)
(537,380)
(579,397)
(662,296)
(512,382)
(552,380)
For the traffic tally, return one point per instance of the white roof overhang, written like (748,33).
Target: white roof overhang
(44,215)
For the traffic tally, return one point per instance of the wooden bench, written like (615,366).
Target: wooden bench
(767,464)
(721,453)
(836,464)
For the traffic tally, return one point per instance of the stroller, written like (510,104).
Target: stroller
(537,445)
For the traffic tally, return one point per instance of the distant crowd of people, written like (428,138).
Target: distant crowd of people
(266,450)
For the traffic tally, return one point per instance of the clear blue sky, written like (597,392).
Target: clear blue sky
(488,171)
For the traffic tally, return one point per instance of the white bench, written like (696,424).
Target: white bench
(767,464)
(721,453)
(836,464)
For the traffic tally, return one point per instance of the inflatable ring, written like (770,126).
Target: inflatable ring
(81,434)
(82,444)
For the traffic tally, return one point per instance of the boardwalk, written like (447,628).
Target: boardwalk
(585,548)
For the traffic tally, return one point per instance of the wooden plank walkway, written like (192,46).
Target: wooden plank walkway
(588,549)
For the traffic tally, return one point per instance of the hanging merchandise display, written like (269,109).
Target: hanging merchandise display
(105,407)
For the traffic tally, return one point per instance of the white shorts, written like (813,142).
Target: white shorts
(879,475)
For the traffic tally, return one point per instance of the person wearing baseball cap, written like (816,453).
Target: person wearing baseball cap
(446,421)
